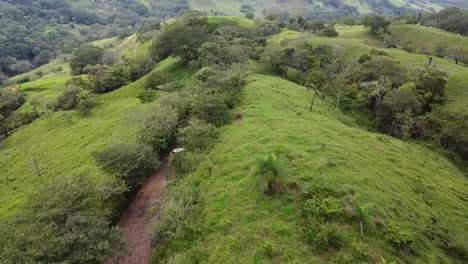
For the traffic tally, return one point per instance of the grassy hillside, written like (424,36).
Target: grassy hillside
(318,8)
(406,184)
(63,143)
(428,40)
(353,42)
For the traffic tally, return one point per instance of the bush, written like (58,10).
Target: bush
(132,163)
(104,80)
(86,105)
(329,32)
(159,126)
(212,109)
(83,56)
(197,136)
(174,214)
(147,96)
(398,237)
(272,174)
(63,221)
(330,237)
(185,162)
(71,97)
(155,79)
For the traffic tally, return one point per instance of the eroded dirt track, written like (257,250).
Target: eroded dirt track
(135,220)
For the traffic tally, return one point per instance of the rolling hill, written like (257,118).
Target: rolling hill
(322,9)
(409,197)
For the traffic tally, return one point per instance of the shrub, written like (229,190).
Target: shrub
(86,105)
(105,81)
(329,32)
(147,96)
(159,126)
(330,237)
(132,163)
(364,58)
(212,109)
(174,213)
(63,221)
(375,52)
(398,237)
(155,79)
(197,136)
(185,162)
(83,56)
(296,76)
(272,174)
(71,97)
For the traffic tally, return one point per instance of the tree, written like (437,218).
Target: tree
(85,55)
(213,109)
(395,102)
(430,83)
(132,163)
(329,31)
(159,126)
(376,24)
(250,15)
(315,80)
(62,222)
(197,136)
(182,38)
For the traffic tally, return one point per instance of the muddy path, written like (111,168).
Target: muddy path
(136,218)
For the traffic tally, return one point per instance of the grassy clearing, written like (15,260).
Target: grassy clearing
(406,182)
(63,142)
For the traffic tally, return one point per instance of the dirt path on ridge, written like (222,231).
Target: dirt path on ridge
(136,218)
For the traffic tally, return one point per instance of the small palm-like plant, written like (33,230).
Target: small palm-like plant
(272,174)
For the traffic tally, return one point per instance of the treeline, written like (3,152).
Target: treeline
(450,19)
(402,102)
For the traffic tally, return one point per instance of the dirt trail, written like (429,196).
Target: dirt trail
(135,220)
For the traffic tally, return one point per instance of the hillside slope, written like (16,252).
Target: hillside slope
(353,41)
(33,32)
(406,184)
(321,9)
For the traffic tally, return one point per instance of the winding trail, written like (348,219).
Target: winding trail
(135,220)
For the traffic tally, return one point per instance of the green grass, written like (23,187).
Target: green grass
(243,22)
(352,43)
(239,224)
(419,39)
(63,142)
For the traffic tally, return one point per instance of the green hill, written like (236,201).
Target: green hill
(320,9)
(408,196)
(406,184)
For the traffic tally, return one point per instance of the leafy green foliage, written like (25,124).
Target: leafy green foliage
(132,163)
(272,174)
(197,136)
(329,31)
(182,38)
(377,25)
(84,56)
(155,79)
(147,96)
(158,129)
(71,98)
(174,214)
(63,221)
